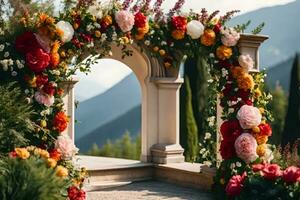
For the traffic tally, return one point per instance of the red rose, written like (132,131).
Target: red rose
(55,154)
(225,64)
(249,102)
(227,89)
(217,27)
(179,23)
(86,37)
(265,129)
(244,95)
(49,89)
(140,20)
(258,167)
(76,42)
(26,42)
(41,80)
(291,174)
(235,185)
(12,154)
(227,149)
(271,172)
(37,60)
(230,130)
(76,194)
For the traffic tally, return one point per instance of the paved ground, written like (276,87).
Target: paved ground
(149,190)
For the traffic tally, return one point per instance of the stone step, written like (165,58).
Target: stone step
(97,186)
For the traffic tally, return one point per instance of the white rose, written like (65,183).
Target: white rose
(96,11)
(246,62)
(195,29)
(67,29)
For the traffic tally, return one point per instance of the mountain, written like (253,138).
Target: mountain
(281,26)
(280,74)
(130,121)
(101,109)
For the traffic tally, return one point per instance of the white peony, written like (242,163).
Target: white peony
(67,29)
(246,62)
(96,11)
(195,29)
(230,37)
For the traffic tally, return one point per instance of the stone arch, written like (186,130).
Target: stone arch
(160,105)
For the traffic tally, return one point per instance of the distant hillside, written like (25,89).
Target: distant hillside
(106,107)
(130,121)
(280,73)
(283,28)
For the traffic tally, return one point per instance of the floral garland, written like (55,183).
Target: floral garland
(47,50)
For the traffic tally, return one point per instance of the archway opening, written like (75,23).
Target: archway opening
(108,113)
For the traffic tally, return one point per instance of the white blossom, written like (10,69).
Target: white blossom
(224,72)
(207,136)
(147,42)
(14,73)
(231,110)
(89,27)
(45,112)
(103,37)
(96,10)
(238,164)
(20,65)
(2,47)
(6,54)
(67,29)
(4,64)
(195,29)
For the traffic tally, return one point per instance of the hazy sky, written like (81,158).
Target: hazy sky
(107,73)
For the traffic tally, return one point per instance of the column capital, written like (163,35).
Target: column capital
(168,82)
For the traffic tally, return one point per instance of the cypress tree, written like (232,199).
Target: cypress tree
(292,120)
(191,150)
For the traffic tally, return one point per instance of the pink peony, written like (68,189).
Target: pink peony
(66,147)
(125,20)
(271,172)
(230,37)
(245,147)
(235,185)
(246,62)
(43,98)
(291,174)
(249,117)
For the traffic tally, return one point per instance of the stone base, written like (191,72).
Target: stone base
(166,153)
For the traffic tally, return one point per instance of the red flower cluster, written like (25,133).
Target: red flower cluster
(140,20)
(179,23)
(230,131)
(76,194)
(55,154)
(41,80)
(49,89)
(268,171)
(235,185)
(265,129)
(60,121)
(291,174)
(36,57)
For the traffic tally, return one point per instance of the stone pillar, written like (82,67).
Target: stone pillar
(168,149)
(69,105)
(248,44)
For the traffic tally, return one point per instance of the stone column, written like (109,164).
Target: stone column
(168,149)
(69,105)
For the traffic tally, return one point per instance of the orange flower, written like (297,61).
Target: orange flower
(55,59)
(178,34)
(143,30)
(107,20)
(224,52)
(61,171)
(208,38)
(60,91)
(261,139)
(97,34)
(51,162)
(261,150)
(237,72)
(139,36)
(55,47)
(22,153)
(55,154)
(245,82)
(60,121)
(59,32)
(43,17)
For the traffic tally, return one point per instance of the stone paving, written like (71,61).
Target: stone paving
(149,190)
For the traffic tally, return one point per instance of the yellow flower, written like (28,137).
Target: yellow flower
(257,93)
(245,82)
(256,129)
(22,153)
(261,150)
(43,153)
(237,72)
(61,171)
(51,163)
(208,38)
(59,32)
(43,123)
(125,40)
(224,52)
(75,26)
(162,52)
(262,110)
(155,49)
(261,139)
(222,181)
(55,46)
(97,34)
(178,34)
(107,20)
(32,82)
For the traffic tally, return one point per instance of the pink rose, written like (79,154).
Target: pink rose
(271,172)
(235,185)
(230,37)
(246,62)
(291,174)
(258,167)
(249,117)
(37,60)
(245,147)
(125,20)
(66,147)
(44,99)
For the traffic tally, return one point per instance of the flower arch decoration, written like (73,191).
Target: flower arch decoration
(43,51)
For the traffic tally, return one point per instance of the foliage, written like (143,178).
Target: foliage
(279,106)
(292,120)
(29,180)
(15,115)
(288,155)
(125,147)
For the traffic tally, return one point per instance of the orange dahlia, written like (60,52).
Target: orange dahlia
(208,38)
(178,34)
(237,72)
(245,82)
(223,52)
(60,121)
